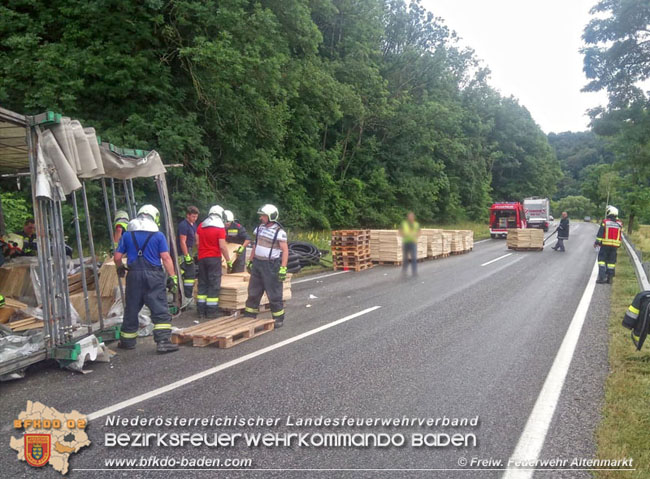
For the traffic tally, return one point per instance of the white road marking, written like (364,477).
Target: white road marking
(497,259)
(318,277)
(532,438)
(482,241)
(209,372)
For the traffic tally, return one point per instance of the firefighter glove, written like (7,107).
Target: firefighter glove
(240,250)
(229,265)
(172,284)
(188,259)
(282,274)
(121,271)
(249,266)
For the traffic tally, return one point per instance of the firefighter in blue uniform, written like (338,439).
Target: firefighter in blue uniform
(147,251)
(268,268)
(236,233)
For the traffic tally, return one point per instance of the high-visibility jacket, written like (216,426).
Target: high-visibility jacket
(410,231)
(609,233)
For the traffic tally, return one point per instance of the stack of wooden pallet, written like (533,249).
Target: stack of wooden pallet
(434,242)
(351,250)
(77,300)
(456,242)
(422,247)
(530,239)
(234,291)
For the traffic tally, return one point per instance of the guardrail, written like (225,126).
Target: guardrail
(641,275)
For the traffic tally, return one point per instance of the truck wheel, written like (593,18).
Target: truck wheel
(493,236)
(545,230)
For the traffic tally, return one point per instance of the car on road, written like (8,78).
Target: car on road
(588,219)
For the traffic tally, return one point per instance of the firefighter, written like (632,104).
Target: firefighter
(410,232)
(236,233)
(119,226)
(562,232)
(28,236)
(147,251)
(609,240)
(268,268)
(185,243)
(211,236)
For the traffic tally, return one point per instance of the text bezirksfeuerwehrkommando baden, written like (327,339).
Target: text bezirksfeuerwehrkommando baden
(289,421)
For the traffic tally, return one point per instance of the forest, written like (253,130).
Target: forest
(341,112)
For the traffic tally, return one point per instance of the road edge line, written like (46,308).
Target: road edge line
(533,437)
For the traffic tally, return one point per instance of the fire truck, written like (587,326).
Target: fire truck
(504,216)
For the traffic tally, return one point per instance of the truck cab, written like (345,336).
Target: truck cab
(504,216)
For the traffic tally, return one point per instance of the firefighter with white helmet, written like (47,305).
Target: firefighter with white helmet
(147,251)
(268,268)
(119,226)
(236,233)
(609,240)
(211,235)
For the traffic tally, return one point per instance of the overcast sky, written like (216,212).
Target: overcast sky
(532,48)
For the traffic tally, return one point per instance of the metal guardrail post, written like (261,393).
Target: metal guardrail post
(641,275)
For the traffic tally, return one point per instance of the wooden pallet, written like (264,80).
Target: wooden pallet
(516,248)
(356,268)
(439,256)
(224,332)
(351,257)
(351,247)
(350,252)
(263,308)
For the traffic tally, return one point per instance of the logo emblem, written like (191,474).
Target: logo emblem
(37,449)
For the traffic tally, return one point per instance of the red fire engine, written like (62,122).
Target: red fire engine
(504,216)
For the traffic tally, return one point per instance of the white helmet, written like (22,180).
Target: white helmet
(121,215)
(216,210)
(270,211)
(228,216)
(612,211)
(152,211)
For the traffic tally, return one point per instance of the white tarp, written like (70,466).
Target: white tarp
(126,167)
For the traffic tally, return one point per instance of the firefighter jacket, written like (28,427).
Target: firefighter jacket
(637,318)
(236,233)
(609,233)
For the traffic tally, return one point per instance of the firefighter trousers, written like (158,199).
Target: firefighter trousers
(189,278)
(264,278)
(606,262)
(145,285)
(207,299)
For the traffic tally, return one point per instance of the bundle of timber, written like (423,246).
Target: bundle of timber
(108,278)
(351,249)
(386,246)
(529,239)
(456,239)
(434,242)
(12,310)
(468,239)
(446,242)
(16,282)
(25,324)
(422,247)
(77,300)
(75,283)
(234,291)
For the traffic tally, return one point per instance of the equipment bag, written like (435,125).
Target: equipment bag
(641,324)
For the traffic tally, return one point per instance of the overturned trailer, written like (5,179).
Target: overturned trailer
(60,156)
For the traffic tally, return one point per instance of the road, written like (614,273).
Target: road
(473,336)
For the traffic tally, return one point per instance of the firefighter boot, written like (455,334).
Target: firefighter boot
(166,346)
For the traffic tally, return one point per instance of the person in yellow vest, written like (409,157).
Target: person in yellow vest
(410,232)
(609,240)
(119,226)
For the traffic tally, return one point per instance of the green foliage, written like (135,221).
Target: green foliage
(16,210)
(577,207)
(341,112)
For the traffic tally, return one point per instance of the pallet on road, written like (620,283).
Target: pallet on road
(263,308)
(223,332)
(352,267)
(517,248)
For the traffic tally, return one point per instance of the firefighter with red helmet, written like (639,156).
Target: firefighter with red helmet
(609,240)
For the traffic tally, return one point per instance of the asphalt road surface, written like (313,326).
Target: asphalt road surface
(472,337)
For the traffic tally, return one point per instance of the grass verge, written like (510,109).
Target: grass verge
(625,428)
